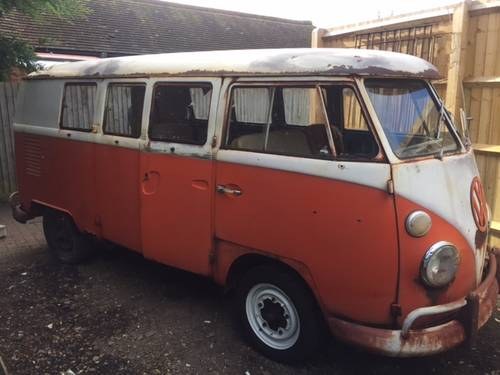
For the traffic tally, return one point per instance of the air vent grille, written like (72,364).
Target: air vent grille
(32,156)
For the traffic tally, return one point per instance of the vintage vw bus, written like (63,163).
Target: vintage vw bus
(328,188)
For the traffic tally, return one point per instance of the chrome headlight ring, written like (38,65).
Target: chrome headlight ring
(440,264)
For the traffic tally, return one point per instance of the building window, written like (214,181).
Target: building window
(78,106)
(180,113)
(123,111)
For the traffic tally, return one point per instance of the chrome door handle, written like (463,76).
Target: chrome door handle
(226,190)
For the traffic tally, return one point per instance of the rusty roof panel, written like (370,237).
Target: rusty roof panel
(267,62)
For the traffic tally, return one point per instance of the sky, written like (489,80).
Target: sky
(323,13)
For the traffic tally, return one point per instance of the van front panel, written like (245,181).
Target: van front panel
(442,188)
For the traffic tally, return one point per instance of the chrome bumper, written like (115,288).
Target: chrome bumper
(475,310)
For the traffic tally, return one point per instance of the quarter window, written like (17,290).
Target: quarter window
(78,106)
(180,113)
(123,112)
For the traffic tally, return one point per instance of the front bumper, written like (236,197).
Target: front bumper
(474,312)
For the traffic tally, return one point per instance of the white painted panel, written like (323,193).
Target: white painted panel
(369,174)
(39,103)
(443,187)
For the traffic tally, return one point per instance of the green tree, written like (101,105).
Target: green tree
(15,53)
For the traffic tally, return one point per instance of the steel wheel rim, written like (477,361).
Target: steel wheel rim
(272,316)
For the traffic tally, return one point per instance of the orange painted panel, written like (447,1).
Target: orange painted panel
(176,214)
(117,195)
(58,172)
(412,292)
(344,233)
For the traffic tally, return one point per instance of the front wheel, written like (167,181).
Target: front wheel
(65,241)
(278,314)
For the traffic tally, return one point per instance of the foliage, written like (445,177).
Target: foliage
(67,9)
(15,53)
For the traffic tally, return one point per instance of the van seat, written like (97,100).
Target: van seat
(174,132)
(283,141)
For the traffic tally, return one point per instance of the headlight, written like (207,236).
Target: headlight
(440,264)
(418,223)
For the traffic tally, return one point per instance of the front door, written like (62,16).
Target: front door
(177,174)
(289,186)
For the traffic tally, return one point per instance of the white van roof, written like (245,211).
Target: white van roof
(264,62)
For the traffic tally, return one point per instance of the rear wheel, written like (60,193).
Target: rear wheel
(278,314)
(65,241)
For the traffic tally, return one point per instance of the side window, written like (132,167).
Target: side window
(78,108)
(123,111)
(347,120)
(278,120)
(180,113)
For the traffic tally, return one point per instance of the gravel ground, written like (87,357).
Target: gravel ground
(120,313)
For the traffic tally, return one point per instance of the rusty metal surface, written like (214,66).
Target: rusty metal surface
(317,61)
(496,253)
(487,292)
(429,311)
(425,341)
(391,343)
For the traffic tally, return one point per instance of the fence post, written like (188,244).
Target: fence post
(456,65)
(317,37)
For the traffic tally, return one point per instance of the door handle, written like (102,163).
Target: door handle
(236,191)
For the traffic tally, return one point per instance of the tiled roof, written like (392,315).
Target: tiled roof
(124,27)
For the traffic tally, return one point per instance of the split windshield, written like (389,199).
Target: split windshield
(413,121)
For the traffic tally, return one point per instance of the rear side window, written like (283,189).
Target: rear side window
(123,112)
(180,113)
(78,108)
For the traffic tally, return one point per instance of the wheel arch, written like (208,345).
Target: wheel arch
(43,207)
(232,262)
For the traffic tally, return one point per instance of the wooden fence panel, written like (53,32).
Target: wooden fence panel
(8,93)
(481,74)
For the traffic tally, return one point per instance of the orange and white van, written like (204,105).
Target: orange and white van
(328,188)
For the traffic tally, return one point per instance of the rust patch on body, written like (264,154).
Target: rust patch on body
(480,239)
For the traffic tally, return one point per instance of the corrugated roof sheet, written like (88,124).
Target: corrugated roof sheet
(124,27)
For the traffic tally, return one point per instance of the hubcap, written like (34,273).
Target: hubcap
(272,316)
